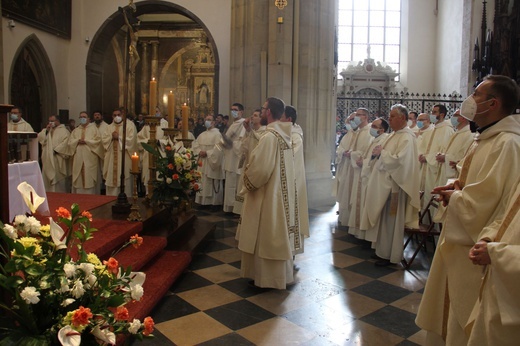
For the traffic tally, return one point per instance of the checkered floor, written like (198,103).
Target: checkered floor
(340,297)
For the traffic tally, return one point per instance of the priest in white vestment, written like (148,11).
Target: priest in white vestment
(455,150)
(357,152)
(85,150)
(269,235)
(424,125)
(378,130)
(112,141)
(496,317)
(412,122)
(432,143)
(17,123)
(392,197)
(101,127)
(488,177)
(212,175)
(340,160)
(255,126)
(290,115)
(55,170)
(230,147)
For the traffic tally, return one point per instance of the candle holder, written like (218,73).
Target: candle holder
(153,122)
(187,142)
(171,133)
(134,209)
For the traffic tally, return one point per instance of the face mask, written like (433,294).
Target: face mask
(357,120)
(348,127)
(118,119)
(420,124)
(468,108)
(207,123)
(52,123)
(433,119)
(83,121)
(354,125)
(234,114)
(14,117)
(454,121)
(409,123)
(374,132)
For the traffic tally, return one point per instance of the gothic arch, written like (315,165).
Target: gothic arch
(102,42)
(31,82)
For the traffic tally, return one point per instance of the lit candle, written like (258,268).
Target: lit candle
(153,97)
(135,163)
(185,116)
(171,109)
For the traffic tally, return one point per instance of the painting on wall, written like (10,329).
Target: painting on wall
(203,92)
(53,16)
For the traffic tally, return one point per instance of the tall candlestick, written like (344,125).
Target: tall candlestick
(135,163)
(153,97)
(185,116)
(171,109)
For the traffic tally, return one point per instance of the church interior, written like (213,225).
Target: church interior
(62,57)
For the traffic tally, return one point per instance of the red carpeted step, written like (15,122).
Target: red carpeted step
(85,202)
(160,275)
(138,258)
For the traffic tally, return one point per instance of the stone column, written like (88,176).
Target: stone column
(145,77)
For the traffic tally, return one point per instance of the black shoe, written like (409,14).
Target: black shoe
(376,257)
(383,263)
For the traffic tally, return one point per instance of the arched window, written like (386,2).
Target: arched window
(369,27)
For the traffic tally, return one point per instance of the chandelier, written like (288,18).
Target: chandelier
(280,4)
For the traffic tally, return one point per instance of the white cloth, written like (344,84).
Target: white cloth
(301,180)
(344,175)
(482,200)
(30,173)
(454,151)
(20,126)
(212,189)
(392,197)
(269,235)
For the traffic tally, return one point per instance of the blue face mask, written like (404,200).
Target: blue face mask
(356,120)
(82,121)
(455,121)
(374,132)
(207,123)
(420,124)
(348,127)
(433,119)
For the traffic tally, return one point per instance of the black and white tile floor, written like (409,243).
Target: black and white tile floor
(340,296)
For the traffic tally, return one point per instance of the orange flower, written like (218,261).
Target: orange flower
(62,212)
(81,316)
(136,241)
(175,177)
(122,314)
(168,148)
(196,187)
(112,265)
(170,166)
(148,326)
(188,155)
(87,214)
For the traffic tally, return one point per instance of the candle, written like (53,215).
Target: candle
(135,163)
(171,109)
(153,97)
(185,116)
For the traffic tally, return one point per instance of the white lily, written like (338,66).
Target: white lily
(104,334)
(58,235)
(30,196)
(69,336)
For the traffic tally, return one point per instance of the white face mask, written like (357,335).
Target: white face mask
(14,117)
(118,119)
(357,120)
(207,123)
(354,125)
(409,123)
(454,121)
(82,121)
(348,127)
(433,119)
(234,114)
(468,108)
(52,123)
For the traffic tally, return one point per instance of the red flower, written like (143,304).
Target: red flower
(112,265)
(87,214)
(175,177)
(81,316)
(122,314)
(168,148)
(196,187)
(188,155)
(62,212)
(148,326)
(170,166)
(136,241)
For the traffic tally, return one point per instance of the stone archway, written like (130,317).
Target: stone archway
(104,78)
(31,82)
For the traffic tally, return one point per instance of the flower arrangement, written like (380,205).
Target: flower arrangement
(51,297)
(178,176)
